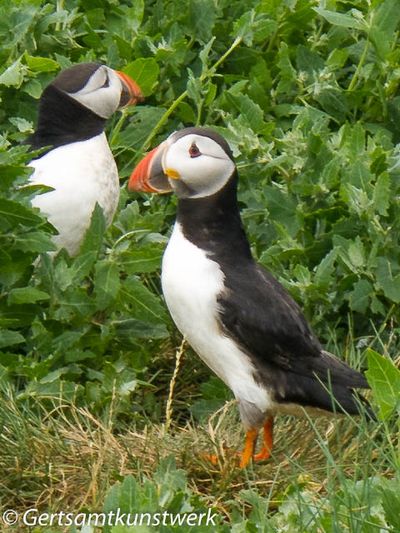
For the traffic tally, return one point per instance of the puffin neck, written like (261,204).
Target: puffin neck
(62,120)
(213,223)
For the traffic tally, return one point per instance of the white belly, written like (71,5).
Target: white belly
(81,174)
(191,283)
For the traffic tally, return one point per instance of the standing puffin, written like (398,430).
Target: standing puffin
(78,164)
(236,315)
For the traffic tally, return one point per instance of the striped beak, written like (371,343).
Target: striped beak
(131,93)
(149,175)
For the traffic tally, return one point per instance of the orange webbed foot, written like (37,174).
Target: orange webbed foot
(265,452)
(250,443)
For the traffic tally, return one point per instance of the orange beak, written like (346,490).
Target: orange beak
(131,92)
(149,176)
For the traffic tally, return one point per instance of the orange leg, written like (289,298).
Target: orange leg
(249,444)
(212,457)
(265,452)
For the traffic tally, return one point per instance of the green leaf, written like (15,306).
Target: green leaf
(380,41)
(360,296)
(26,295)
(204,54)
(144,120)
(250,111)
(34,241)
(143,304)
(387,17)
(337,58)
(135,14)
(16,213)
(131,329)
(384,379)
(56,389)
(21,124)
(389,283)
(287,74)
(33,88)
(11,271)
(201,18)
(307,60)
(81,267)
(144,259)
(129,493)
(341,19)
(282,209)
(13,76)
(326,269)
(74,304)
(93,239)
(145,72)
(107,282)
(41,64)
(194,88)
(391,502)
(357,253)
(243,27)
(10,338)
(382,194)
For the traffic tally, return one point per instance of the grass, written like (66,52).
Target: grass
(66,456)
(61,456)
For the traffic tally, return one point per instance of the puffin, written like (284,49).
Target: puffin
(76,160)
(238,318)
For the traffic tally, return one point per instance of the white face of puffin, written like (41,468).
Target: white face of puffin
(195,162)
(196,165)
(104,91)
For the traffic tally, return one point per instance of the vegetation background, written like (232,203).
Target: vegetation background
(102,406)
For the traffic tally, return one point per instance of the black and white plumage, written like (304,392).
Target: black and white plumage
(236,315)
(78,164)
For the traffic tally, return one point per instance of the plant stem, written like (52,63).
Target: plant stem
(118,127)
(60,7)
(163,119)
(359,67)
(206,74)
(363,56)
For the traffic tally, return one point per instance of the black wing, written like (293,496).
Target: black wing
(270,327)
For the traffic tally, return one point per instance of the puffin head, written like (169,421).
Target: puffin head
(98,88)
(193,162)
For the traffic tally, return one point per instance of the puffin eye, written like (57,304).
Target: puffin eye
(194,151)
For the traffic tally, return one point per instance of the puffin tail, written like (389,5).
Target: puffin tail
(340,385)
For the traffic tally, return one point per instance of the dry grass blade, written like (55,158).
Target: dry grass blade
(178,360)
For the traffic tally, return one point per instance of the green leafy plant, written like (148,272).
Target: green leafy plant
(384,379)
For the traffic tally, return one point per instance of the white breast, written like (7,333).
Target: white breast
(191,283)
(81,174)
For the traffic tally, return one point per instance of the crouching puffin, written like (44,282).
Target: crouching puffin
(78,164)
(236,315)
